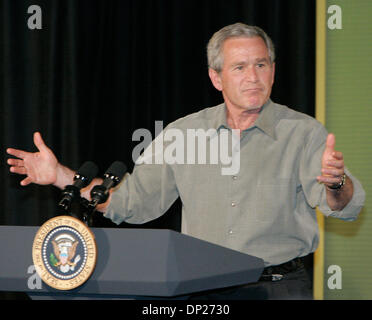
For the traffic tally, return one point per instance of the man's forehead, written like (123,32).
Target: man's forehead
(245,43)
(246,39)
(252,48)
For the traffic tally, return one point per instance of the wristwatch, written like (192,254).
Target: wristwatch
(339,185)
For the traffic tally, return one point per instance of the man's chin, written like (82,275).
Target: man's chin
(249,104)
(252,107)
(254,104)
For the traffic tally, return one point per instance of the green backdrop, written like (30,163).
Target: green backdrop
(348,115)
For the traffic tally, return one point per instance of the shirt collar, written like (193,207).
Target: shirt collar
(220,120)
(266,121)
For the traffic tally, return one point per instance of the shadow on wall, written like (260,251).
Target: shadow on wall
(346,228)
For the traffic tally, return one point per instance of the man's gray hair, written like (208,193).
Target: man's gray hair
(237,30)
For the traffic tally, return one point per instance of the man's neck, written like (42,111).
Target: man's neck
(240,118)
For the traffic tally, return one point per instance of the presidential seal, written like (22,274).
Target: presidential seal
(64,252)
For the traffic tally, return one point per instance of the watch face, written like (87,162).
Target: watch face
(339,185)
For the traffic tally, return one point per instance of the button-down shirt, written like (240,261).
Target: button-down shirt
(266,209)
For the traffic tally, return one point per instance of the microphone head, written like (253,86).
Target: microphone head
(117,169)
(86,172)
(113,176)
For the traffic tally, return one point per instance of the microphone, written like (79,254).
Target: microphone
(81,179)
(112,177)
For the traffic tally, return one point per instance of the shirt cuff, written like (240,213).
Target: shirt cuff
(352,209)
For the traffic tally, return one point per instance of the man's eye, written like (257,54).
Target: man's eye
(239,68)
(260,65)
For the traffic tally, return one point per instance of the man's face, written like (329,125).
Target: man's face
(247,75)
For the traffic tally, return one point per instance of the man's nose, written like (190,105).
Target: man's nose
(251,74)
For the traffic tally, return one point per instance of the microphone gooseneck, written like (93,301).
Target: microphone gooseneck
(82,178)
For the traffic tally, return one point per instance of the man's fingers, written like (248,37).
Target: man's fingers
(339,164)
(329,180)
(332,172)
(18,170)
(338,155)
(26,181)
(17,153)
(15,162)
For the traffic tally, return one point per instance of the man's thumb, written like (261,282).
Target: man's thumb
(39,142)
(331,142)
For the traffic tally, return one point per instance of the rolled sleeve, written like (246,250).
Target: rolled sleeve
(352,209)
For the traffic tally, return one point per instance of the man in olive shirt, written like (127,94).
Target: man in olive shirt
(287,166)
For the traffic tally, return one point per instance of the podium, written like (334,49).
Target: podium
(132,264)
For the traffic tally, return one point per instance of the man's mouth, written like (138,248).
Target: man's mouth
(252,90)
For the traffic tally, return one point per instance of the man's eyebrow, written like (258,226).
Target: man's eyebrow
(238,63)
(242,63)
(262,60)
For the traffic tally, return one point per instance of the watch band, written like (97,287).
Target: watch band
(339,185)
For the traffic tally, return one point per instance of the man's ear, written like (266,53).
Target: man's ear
(215,78)
(273,75)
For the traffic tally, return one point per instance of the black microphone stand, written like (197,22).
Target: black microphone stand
(79,209)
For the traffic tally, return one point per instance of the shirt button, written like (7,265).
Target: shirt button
(233,204)
(235,177)
(230,232)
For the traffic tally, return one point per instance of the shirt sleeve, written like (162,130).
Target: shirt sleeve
(315,192)
(145,194)
(352,209)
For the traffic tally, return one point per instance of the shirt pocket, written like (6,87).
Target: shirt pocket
(275,200)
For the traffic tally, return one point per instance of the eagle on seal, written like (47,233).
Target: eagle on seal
(64,251)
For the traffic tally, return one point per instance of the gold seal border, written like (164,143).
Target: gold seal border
(37,257)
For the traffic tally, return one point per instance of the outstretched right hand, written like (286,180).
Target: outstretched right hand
(39,167)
